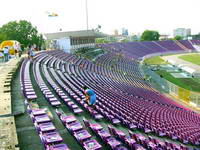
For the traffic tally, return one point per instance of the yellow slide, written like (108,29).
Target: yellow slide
(11,44)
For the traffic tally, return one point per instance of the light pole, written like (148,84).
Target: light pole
(86,6)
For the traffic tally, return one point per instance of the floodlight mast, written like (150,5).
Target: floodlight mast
(86,6)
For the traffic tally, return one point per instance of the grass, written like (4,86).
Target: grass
(156,60)
(93,54)
(192,84)
(193,58)
(89,53)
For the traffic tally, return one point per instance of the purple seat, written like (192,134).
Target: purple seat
(74,126)
(70,103)
(138,147)
(103,134)
(98,116)
(46,127)
(51,138)
(112,142)
(91,145)
(118,133)
(150,145)
(95,126)
(42,119)
(30,93)
(29,90)
(115,121)
(130,141)
(52,99)
(58,147)
(55,103)
(77,110)
(47,92)
(64,96)
(67,119)
(31,96)
(67,100)
(82,135)
(121,148)
(74,106)
(37,112)
(49,96)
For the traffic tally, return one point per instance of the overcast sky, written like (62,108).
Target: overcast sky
(135,15)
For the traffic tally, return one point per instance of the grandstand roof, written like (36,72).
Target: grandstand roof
(81,33)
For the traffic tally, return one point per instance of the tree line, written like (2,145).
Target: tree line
(150,35)
(22,31)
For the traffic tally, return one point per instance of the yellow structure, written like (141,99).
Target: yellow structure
(184,94)
(11,44)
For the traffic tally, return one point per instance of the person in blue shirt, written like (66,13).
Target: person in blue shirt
(90,95)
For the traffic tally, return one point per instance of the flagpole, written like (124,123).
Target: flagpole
(86,6)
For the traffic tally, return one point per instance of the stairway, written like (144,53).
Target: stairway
(180,45)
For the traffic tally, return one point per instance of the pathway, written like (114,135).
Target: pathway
(182,62)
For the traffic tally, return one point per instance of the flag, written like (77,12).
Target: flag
(52,14)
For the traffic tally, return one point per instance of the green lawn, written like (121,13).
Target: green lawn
(156,60)
(93,54)
(89,53)
(193,58)
(192,84)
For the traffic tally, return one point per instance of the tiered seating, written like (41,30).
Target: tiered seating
(50,138)
(97,77)
(187,44)
(60,92)
(43,87)
(118,64)
(104,135)
(78,132)
(115,138)
(169,45)
(122,100)
(153,46)
(195,42)
(139,49)
(26,85)
(72,92)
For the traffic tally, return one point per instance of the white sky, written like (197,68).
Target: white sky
(136,15)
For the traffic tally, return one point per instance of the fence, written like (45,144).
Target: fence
(164,86)
(184,95)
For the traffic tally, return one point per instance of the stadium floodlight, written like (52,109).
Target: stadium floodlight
(86,7)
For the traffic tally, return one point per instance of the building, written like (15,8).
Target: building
(72,40)
(182,32)
(116,32)
(124,31)
(164,37)
(196,36)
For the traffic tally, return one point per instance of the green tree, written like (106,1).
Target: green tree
(100,40)
(3,37)
(178,37)
(149,35)
(22,31)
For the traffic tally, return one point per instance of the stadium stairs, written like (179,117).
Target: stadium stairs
(181,45)
(8,134)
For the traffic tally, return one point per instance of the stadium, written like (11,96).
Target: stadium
(139,105)
(99,75)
